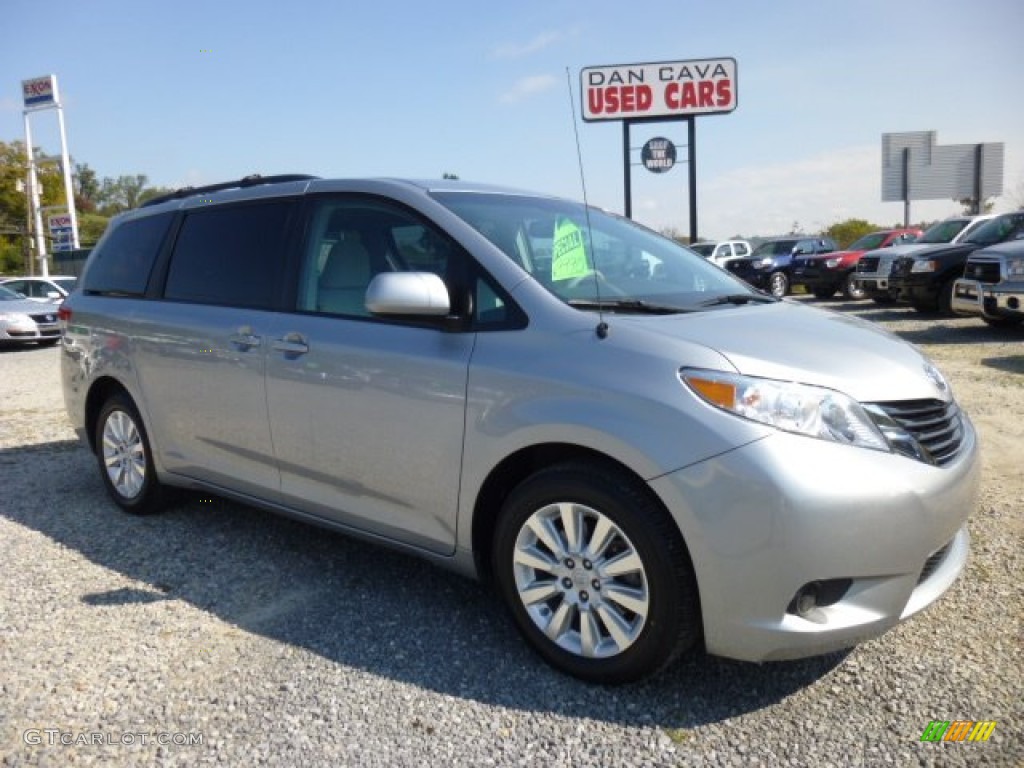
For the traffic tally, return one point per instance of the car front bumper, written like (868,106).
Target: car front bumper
(766,520)
(872,282)
(985,300)
(38,328)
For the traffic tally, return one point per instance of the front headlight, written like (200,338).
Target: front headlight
(832,263)
(799,408)
(1015,269)
(925,265)
(16,319)
(764,263)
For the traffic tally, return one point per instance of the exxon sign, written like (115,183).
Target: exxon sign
(40,92)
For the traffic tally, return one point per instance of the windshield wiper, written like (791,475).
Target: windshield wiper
(738,298)
(627,305)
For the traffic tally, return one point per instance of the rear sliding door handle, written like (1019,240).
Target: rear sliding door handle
(245,338)
(291,344)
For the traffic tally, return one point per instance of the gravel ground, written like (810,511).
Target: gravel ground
(274,643)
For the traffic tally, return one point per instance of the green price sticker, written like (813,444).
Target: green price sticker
(568,255)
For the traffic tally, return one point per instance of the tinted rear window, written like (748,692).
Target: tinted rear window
(230,256)
(122,261)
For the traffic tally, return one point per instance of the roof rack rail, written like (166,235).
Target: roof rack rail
(248,181)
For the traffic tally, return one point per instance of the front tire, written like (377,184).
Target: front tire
(778,284)
(595,573)
(851,290)
(125,458)
(1003,322)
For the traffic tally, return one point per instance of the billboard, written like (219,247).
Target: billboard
(661,90)
(40,92)
(938,172)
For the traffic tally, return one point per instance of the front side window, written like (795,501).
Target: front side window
(583,255)
(123,259)
(354,239)
(232,256)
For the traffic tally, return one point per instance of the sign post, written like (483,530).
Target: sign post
(41,93)
(657,92)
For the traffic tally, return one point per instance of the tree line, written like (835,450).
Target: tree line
(96,200)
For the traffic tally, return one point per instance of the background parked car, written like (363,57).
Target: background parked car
(720,253)
(872,272)
(824,275)
(768,267)
(23,320)
(925,279)
(993,285)
(49,290)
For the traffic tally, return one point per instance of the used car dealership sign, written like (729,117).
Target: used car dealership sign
(663,89)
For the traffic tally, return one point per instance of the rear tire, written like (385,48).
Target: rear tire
(595,573)
(125,458)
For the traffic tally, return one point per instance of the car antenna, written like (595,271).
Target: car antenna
(602,326)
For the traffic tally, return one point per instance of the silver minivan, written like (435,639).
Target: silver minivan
(640,451)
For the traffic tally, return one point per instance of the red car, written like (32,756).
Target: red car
(824,274)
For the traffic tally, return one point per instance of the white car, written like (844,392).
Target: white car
(720,253)
(22,321)
(47,290)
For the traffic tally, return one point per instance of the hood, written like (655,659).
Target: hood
(896,251)
(28,307)
(793,342)
(953,249)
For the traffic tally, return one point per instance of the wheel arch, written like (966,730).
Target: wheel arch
(101,390)
(515,468)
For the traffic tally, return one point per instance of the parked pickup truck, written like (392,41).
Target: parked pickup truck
(925,279)
(872,273)
(824,275)
(992,287)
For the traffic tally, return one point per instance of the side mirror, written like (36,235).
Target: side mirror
(408,293)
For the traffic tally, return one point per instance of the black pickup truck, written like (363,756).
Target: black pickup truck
(925,278)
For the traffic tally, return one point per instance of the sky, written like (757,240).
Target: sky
(192,93)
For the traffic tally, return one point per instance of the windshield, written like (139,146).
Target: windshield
(597,257)
(944,231)
(1009,226)
(704,249)
(6,294)
(868,242)
(775,248)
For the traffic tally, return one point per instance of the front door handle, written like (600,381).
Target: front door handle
(292,344)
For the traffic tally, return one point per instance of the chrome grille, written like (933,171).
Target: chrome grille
(867,264)
(934,425)
(982,271)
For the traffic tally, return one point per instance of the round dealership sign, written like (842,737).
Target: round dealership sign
(658,155)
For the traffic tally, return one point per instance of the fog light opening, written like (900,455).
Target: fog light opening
(815,595)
